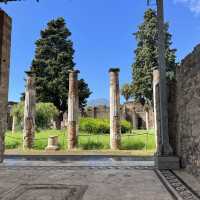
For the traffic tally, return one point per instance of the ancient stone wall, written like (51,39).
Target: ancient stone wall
(185,125)
(126,112)
(101,112)
(5,43)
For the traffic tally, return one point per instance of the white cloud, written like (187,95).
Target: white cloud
(194,5)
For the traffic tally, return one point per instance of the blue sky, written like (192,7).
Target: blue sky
(101,32)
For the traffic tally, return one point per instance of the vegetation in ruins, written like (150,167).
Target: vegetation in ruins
(138,140)
(53,59)
(45,112)
(146,56)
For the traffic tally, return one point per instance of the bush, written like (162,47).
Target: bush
(91,125)
(45,112)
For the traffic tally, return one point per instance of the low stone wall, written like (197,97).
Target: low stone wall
(186,119)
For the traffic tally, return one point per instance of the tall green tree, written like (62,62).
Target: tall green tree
(146,57)
(53,59)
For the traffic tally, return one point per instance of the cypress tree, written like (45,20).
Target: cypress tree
(146,57)
(53,59)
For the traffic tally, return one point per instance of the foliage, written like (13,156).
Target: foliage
(126,91)
(139,140)
(18,112)
(53,60)
(101,126)
(45,112)
(146,58)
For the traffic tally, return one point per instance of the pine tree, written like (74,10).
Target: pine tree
(146,58)
(53,59)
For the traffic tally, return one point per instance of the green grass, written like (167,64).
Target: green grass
(138,140)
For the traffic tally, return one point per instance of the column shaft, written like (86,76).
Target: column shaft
(156,100)
(73,109)
(115,128)
(29,113)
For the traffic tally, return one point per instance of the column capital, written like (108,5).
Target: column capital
(74,71)
(30,73)
(114,70)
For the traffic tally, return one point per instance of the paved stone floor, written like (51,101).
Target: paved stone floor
(78,180)
(74,180)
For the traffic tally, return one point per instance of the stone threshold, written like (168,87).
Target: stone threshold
(177,185)
(190,180)
(135,153)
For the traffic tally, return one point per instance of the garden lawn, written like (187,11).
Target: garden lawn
(138,140)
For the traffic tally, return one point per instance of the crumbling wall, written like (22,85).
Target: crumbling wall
(187,115)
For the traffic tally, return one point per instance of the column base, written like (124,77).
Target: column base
(52,148)
(167,162)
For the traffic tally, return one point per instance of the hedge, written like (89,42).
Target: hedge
(91,125)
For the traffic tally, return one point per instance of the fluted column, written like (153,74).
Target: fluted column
(29,112)
(115,128)
(73,109)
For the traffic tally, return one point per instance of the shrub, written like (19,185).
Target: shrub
(91,125)
(125,126)
(45,112)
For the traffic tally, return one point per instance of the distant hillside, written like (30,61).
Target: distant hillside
(98,102)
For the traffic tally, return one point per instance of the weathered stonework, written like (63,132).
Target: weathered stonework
(73,109)
(115,129)
(156,100)
(185,126)
(131,111)
(137,115)
(5,43)
(29,113)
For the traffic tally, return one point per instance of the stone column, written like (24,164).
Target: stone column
(13,124)
(5,43)
(29,112)
(134,119)
(156,100)
(147,118)
(161,160)
(115,128)
(73,109)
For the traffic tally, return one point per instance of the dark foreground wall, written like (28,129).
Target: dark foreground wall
(186,119)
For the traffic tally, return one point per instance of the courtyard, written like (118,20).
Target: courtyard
(88,113)
(93,178)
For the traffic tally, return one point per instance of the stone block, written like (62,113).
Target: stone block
(52,143)
(167,162)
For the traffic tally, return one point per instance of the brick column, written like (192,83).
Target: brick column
(5,43)
(29,112)
(115,128)
(73,109)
